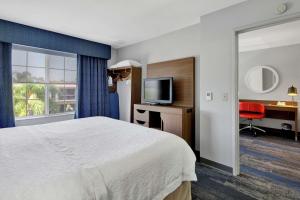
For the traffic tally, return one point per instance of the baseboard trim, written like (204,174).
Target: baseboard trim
(216,165)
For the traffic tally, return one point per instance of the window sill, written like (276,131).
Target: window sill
(27,121)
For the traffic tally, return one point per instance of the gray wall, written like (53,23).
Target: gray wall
(216,72)
(179,44)
(286,61)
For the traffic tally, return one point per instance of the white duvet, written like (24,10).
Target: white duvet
(91,159)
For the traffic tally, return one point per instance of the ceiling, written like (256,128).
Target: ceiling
(115,22)
(275,36)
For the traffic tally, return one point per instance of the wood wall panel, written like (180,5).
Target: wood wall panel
(182,71)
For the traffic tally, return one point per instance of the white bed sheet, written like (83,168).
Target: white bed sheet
(90,159)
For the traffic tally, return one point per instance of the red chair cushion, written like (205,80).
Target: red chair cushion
(252,115)
(252,110)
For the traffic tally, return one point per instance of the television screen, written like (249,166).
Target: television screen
(158,90)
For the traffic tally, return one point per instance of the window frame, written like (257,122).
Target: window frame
(46,83)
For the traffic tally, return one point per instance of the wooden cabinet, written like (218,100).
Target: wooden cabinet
(172,119)
(170,123)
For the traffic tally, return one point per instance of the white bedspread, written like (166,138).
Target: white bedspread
(90,159)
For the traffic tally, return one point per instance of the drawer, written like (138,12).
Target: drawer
(142,123)
(141,115)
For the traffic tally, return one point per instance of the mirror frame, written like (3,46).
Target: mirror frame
(263,67)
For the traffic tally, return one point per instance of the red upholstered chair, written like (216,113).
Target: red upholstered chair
(251,111)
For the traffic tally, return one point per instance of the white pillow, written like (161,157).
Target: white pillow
(112,66)
(126,63)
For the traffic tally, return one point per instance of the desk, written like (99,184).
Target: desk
(172,119)
(274,111)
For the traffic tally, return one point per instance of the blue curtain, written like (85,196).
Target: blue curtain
(93,99)
(114,105)
(29,36)
(7,118)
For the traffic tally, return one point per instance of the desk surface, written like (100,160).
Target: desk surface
(281,108)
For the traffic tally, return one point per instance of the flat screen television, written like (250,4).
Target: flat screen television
(158,90)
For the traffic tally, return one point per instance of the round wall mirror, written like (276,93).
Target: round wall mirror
(262,79)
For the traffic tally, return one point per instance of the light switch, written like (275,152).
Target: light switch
(209,96)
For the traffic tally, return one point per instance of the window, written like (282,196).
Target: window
(44,81)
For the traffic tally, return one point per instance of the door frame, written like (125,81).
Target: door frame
(235,79)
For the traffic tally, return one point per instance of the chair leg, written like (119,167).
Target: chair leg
(251,127)
(254,127)
(246,127)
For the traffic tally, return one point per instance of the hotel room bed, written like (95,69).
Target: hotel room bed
(93,158)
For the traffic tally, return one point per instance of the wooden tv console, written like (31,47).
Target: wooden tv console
(173,119)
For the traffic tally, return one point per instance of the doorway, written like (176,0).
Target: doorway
(268,70)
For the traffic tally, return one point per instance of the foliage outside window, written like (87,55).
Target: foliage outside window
(44,82)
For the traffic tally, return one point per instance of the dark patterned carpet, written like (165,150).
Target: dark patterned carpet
(270,169)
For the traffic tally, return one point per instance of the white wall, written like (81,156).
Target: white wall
(179,44)
(216,72)
(286,61)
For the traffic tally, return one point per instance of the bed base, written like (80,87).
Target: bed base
(183,192)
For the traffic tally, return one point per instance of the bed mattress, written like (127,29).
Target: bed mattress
(90,159)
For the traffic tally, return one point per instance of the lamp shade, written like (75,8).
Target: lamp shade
(292,91)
